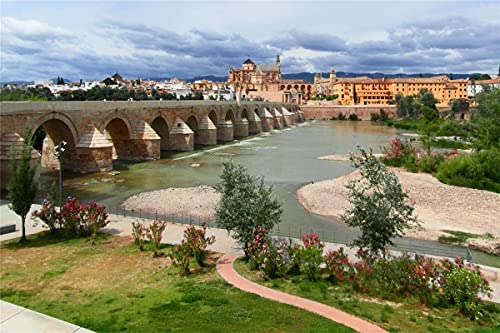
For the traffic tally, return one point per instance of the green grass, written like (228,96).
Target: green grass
(450,144)
(460,237)
(112,287)
(402,315)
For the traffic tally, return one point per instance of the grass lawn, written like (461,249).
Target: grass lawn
(113,287)
(406,315)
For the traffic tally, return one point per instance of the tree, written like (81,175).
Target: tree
(246,203)
(479,77)
(486,119)
(459,106)
(427,127)
(22,186)
(378,204)
(426,97)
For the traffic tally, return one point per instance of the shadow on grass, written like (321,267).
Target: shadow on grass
(46,238)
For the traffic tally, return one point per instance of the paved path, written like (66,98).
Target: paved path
(15,319)
(227,272)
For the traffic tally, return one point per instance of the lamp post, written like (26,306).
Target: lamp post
(59,150)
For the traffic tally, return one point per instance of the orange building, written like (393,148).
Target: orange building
(366,91)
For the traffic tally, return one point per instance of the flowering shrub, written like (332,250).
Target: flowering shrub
(74,218)
(197,242)
(401,154)
(181,255)
(48,215)
(269,255)
(139,233)
(309,257)
(338,266)
(155,233)
(461,284)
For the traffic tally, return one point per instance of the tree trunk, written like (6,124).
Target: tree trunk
(23,229)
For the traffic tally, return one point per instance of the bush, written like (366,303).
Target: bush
(479,170)
(74,219)
(139,233)
(374,116)
(400,154)
(181,255)
(197,242)
(155,234)
(310,257)
(269,255)
(462,284)
(430,164)
(338,266)
(353,117)
(383,116)
(341,116)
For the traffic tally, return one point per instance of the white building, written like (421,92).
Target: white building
(475,87)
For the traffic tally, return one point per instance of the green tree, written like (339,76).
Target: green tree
(378,204)
(486,119)
(428,126)
(22,186)
(246,202)
(426,98)
(459,106)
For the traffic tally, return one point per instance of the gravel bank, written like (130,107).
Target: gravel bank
(342,157)
(195,201)
(438,207)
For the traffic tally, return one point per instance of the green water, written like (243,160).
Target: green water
(287,159)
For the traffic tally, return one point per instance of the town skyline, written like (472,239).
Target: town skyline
(40,42)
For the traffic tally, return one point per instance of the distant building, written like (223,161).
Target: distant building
(366,91)
(264,81)
(475,87)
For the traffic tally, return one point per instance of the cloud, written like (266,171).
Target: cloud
(33,49)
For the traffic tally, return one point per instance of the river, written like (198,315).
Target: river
(287,159)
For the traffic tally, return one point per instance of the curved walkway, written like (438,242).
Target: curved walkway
(227,272)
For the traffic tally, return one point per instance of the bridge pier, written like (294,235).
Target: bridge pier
(94,153)
(207,132)
(241,128)
(225,131)
(13,141)
(255,125)
(288,117)
(267,121)
(181,137)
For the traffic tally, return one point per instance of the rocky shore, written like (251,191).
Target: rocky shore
(438,207)
(197,201)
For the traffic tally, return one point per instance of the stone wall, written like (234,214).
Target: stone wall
(362,111)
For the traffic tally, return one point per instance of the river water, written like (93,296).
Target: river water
(287,159)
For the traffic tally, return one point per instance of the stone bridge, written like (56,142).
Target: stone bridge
(98,132)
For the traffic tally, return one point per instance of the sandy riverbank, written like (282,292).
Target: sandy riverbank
(438,207)
(197,201)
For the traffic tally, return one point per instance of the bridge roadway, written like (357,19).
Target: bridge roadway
(98,132)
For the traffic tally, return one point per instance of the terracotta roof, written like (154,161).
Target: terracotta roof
(491,81)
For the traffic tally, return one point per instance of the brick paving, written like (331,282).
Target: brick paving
(226,271)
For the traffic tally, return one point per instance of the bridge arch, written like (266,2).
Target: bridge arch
(192,122)
(160,126)
(47,132)
(213,117)
(244,114)
(229,115)
(118,130)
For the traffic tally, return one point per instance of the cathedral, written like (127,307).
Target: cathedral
(264,81)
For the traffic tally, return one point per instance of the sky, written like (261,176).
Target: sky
(143,39)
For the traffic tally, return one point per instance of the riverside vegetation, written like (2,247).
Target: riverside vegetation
(476,170)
